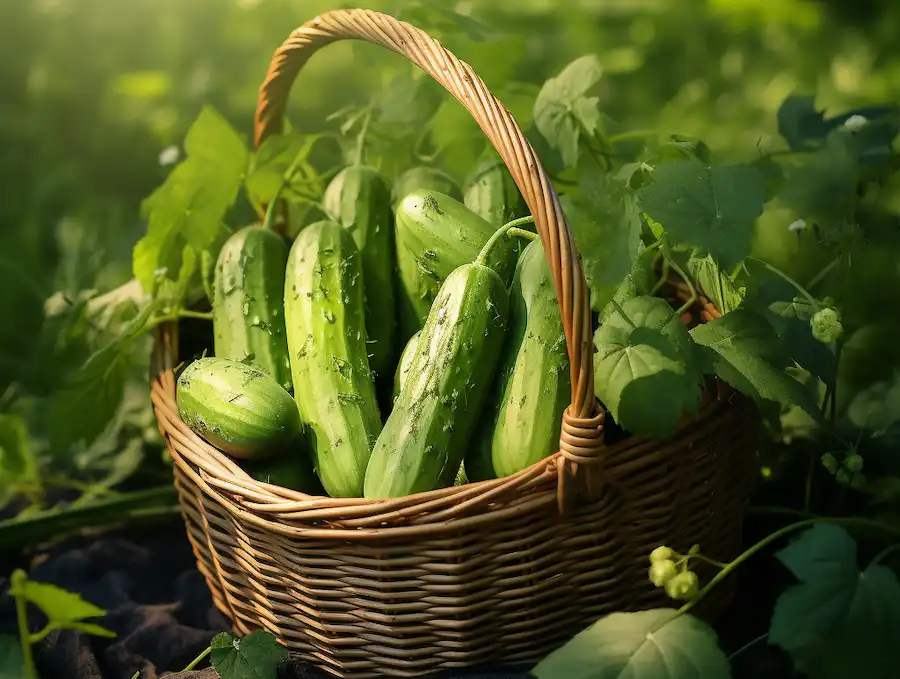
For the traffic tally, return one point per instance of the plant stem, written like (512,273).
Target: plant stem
(39,636)
(139,506)
(664,276)
(187,313)
(713,562)
(781,274)
(17,580)
(765,542)
(498,234)
(885,553)
(621,311)
(196,661)
(522,233)
(693,297)
(749,644)
(361,138)
(269,221)
(824,272)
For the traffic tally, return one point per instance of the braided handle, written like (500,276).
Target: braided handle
(581,437)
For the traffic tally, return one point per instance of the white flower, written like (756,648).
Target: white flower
(169,155)
(797,226)
(854,123)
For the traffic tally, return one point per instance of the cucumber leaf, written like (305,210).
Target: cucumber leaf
(64,610)
(710,207)
(639,281)
(255,656)
(189,207)
(606,224)
(836,614)
(563,111)
(645,371)
(18,464)
(746,356)
(654,644)
(12,664)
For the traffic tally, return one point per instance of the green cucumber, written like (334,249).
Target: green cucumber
(424,439)
(423,179)
(359,200)
(294,471)
(237,408)
(436,234)
(533,388)
(326,331)
(247,303)
(406,359)
(492,194)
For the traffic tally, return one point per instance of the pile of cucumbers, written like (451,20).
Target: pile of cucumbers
(403,344)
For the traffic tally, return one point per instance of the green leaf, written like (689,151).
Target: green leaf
(188,209)
(654,644)
(639,281)
(644,367)
(606,224)
(877,407)
(64,610)
(711,207)
(273,159)
(410,99)
(837,616)
(718,287)
(12,664)
(746,356)
(255,656)
(18,464)
(563,112)
(791,322)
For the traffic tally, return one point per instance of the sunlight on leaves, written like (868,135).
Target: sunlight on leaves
(650,644)
(563,112)
(644,367)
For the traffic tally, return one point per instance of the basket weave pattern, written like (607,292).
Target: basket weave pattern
(501,571)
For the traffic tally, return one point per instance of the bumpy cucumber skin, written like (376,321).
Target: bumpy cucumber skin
(237,408)
(333,384)
(533,387)
(424,179)
(492,194)
(359,200)
(436,234)
(423,441)
(406,359)
(248,310)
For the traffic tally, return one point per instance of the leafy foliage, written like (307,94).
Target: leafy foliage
(18,463)
(255,656)
(188,209)
(563,112)
(836,615)
(644,367)
(712,207)
(653,644)
(12,664)
(746,355)
(64,610)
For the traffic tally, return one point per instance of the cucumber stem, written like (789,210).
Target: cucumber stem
(196,661)
(269,221)
(522,233)
(18,579)
(498,234)
(781,274)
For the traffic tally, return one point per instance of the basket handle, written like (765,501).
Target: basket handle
(582,430)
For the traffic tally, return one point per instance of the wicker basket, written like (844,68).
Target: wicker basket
(501,571)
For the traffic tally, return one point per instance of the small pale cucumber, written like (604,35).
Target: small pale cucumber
(424,179)
(359,200)
(333,384)
(533,388)
(436,234)
(237,408)
(492,194)
(248,309)
(424,439)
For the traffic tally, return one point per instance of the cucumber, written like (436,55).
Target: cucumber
(237,408)
(247,303)
(406,359)
(326,331)
(422,179)
(359,200)
(533,388)
(492,194)
(436,234)
(423,441)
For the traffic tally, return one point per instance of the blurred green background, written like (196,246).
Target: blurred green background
(92,92)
